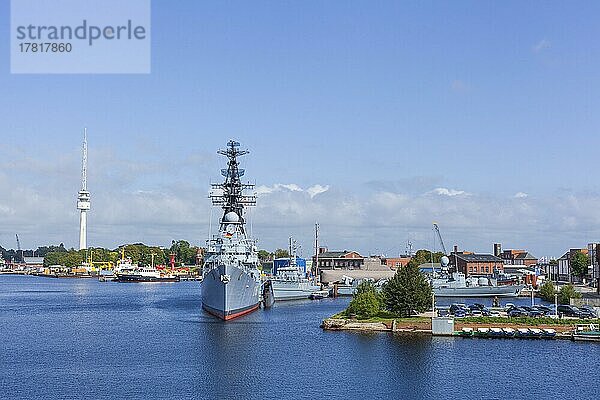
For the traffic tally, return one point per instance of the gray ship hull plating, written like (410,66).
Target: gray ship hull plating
(479,291)
(232,297)
(293,290)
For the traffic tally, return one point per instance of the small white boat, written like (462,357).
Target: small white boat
(508,331)
(482,332)
(587,333)
(548,333)
(536,332)
(523,332)
(496,332)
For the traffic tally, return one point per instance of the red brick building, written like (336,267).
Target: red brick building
(518,257)
(395,263)
(477,264)
(339,259)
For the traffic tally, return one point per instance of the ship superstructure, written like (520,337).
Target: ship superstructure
(231,284)
(290,281)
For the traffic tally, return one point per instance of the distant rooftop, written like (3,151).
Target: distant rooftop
(479,258)
(525,256)
(335,254)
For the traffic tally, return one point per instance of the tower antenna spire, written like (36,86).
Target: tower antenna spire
(84,162)
(83,197)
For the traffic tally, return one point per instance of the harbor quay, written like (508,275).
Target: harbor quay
(501,325)
(506,328)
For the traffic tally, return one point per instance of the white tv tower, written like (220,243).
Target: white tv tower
(83,198)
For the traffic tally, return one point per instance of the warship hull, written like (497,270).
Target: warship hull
(479,291)
(229,292)
(293,290)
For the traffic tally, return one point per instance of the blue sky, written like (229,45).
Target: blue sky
(479,116)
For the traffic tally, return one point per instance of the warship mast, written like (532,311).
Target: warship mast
(230,194)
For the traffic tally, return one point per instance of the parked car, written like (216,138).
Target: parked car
(535,313)
(585,313)
(460,313)
(518,312)
(508,307)
(545,309)
(532,311)
(589,309)
(456,307)
(572,311)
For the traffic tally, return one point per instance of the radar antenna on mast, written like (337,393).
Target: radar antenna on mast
(229,194)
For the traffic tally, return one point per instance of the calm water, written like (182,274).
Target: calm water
(75,339)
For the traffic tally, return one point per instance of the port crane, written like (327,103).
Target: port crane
(439,235)
(444,261)
(19,251)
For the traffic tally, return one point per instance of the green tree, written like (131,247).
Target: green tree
(566,293)
(53,258)
(579,264)
(423,256)
(408,291)
(547,291)
(366,303)
(184,253)
(264,255)
(71,258)
(365,286)
(43,250)
(142,254)
(281,253)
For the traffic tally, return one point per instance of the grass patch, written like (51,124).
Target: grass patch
(383,316)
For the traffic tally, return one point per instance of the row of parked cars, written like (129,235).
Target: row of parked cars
(581,312)
(526,311)
(478,310)
(474,310)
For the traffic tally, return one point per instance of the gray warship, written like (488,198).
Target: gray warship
(231,285)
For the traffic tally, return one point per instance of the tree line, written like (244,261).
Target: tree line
(141,254)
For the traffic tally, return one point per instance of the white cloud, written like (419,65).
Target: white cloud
(448,192)
(138,209)
(291,187)
(6,210)
(262,189)
(541,45)
(317,189)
